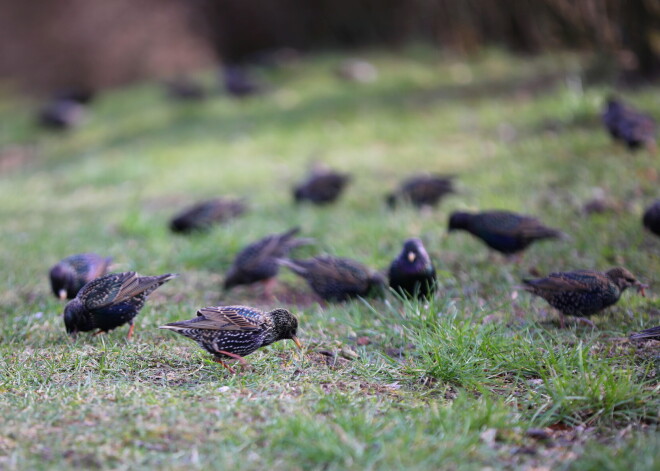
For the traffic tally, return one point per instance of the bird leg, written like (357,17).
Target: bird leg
(584,320)
(562,321)
(130,331)
(231,370)
(101,331)
(240,359)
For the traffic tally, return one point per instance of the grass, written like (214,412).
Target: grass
(453,384)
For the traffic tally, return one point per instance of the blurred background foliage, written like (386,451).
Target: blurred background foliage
(45,46)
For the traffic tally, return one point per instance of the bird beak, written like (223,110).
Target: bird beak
(641,287)
(296,341)
(411,257)
(62,294)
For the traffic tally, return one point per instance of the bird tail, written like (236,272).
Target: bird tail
(652,333)
(293,265)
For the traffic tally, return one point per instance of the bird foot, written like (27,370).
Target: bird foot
(130,332)
(239,358)
(584,320)
(99,333)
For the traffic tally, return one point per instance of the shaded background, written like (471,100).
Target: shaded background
(81,43)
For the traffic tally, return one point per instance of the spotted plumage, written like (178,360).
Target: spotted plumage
(236,331)
(110,301)
(70,274)
(337,279)
(205,214)
(583,293)
(503,231)
(648,334)
(651,218)
(412,272)
(628,125)
(422,190)
(322,186)
(259,260)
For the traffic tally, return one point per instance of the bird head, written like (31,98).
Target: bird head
(415,253)
(624,279)
(286,325)
(458,220)
(61,279)
(72,316)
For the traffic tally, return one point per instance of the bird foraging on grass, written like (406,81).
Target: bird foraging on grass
(259,260)
(582,293)
(506,232)
(70,274)
(422,190)
(626,124)
(648,334)
(236,331)
(412,272)
(110,301)
(205,214)
(322,186)
(336,279)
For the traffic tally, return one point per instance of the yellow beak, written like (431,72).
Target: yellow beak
(296,341)
(411,257)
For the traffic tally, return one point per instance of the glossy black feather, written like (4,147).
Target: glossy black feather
(259,260)
(337,279)
(110,301)
(628,125)
(412,272)
(503,231)
(648,334)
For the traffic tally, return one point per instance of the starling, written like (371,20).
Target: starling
(110,301)
(259,260)
(628,125)
(649,334)
(322,186)
(69,275)
(239,83)
(422,190)
(203,215)
(651,218)
(506,232)
(583,293)
(236,331)
(336,279)
(61,114)
(412,272)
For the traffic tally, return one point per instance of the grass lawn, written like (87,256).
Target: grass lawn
(479,378)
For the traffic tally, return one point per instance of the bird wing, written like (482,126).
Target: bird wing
(580,280)
(228,318)
(115,288)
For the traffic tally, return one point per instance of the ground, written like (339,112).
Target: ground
(481,377)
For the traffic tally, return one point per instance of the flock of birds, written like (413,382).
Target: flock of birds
(101,301)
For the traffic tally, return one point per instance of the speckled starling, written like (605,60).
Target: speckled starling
(649,334)
(422,190)
(651,218)
(583,293)
(628,125)
(236,331)
(337,279)
(69,275)
(110,301)
(503,231)
(322,186)
(205,214)
(412,272)
(259,260)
